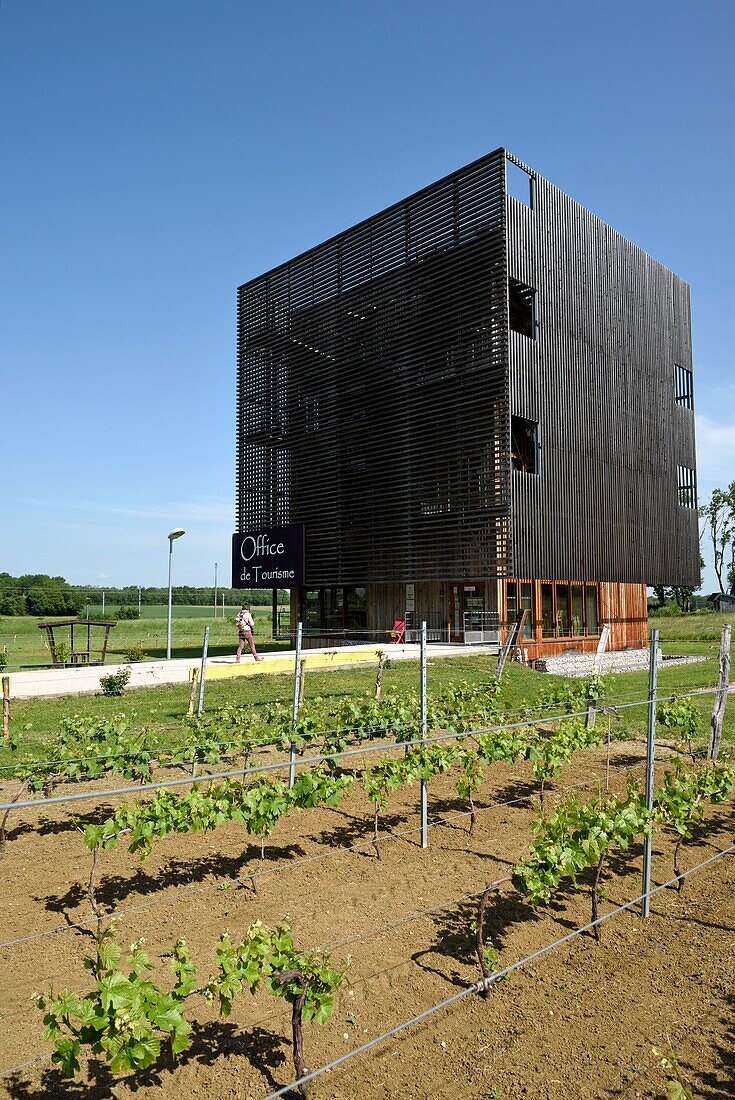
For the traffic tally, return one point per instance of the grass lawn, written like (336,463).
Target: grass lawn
(162,709)
(27,647)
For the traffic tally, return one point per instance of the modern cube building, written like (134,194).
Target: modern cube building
(476,402)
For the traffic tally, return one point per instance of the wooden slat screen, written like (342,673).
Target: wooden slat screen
(373,391)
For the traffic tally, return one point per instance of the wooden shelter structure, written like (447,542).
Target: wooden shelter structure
(87,641)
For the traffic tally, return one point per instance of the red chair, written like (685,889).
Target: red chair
(397,633)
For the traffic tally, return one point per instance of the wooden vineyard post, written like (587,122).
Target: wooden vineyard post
(718,711)
(650,754)
(379,674)
(510,645)
(601,647)
(596,671)
(193,691)
(6,708)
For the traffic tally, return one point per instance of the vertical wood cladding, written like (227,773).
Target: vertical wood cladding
(378,374)
(599,378)
(373,391)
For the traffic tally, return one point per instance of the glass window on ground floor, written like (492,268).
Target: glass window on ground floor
(567,610)
(591,609)
(356,601)
(547,610)
(577,602)
(334,612)
(562,609)
(518,598)
(312,609)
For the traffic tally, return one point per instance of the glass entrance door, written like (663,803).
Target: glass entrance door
(468,604)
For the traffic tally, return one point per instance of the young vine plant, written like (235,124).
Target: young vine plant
(127,1016)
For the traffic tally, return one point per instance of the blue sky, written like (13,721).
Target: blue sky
(157,153)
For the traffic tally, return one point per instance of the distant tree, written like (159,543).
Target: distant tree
(659,591)
(720,515)
(12,605)
(682,595)
(51,599)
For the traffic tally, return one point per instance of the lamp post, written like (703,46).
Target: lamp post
(215,590)
(139,592)
(175,534)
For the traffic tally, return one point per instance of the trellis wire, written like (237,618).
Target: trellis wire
(204,776)
(316,759)
(483,984)
(279,868)
(610,706)
(289,866)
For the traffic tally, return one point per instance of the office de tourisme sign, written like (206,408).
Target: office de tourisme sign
(271,558)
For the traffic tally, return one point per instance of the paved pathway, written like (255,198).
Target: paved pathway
(36,683)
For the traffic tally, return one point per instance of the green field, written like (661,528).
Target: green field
(162,709)
(178,610)
(25,645)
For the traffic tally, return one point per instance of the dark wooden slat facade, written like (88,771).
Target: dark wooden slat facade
(599,379)
(379,374)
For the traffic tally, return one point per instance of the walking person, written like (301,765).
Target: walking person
(245,627)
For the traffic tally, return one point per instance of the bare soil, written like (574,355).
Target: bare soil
(581,1021)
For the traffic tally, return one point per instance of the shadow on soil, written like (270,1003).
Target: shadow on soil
(114,889)
(514,793)
(455,934)
(717,1084)
(47,826)
(357,829)
(210,1042)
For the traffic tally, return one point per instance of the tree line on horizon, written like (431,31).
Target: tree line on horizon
(39,594)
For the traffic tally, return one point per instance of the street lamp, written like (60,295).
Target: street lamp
(215,590)
(175,534)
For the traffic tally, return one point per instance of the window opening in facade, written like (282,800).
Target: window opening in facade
(524,447)
(527,606)
(519,184)
(335,609)
(686,487)
(522,308)
(683,387)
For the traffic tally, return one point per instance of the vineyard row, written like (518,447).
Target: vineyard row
(205,747)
